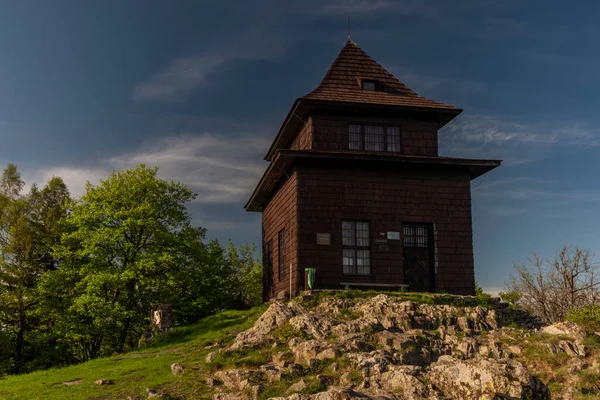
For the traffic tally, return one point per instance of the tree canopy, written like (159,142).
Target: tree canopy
(78,278)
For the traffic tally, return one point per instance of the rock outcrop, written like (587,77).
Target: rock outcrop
(383,347)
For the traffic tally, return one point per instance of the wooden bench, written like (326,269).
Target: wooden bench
(401,286)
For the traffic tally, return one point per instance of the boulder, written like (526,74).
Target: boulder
(176,368)
(238,379)
(276,315)
(479,377)
(153,393)
(317,327)
(231,396)
(297,387)
(211,356)
(103,382)
(570,329)
(314,350)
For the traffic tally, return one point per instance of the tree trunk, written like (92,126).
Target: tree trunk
(20,344)
(123,335)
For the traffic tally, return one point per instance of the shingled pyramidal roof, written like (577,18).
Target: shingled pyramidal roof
(342,83)
(341,86)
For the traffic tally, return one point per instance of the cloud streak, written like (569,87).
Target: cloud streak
(481,136)
(352,7)
(187,73)
(221,170)
(522,194)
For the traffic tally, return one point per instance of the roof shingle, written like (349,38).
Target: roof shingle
(342,83)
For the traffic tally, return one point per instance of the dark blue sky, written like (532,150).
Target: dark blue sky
(200,88)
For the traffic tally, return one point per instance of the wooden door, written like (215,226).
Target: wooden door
(418,251)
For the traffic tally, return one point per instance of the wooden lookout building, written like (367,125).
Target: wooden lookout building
(356,189)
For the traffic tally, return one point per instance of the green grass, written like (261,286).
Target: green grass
(132,373)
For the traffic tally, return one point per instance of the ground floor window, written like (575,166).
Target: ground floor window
(281,252)
(356,253)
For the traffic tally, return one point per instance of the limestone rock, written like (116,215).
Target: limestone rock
(230,396)
(103,382)
(314,350)
(276,315)
(153,393)
(480,377)
(297,387)
(570,329)
(334,306)
(238,379)
(176,368)
(317,327)
(211,356)
(403,380)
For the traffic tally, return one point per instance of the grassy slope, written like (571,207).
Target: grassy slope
(132,373)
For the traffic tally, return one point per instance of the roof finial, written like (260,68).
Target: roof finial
(349,38)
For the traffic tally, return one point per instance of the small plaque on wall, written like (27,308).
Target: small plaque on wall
(323,239)
(393,235)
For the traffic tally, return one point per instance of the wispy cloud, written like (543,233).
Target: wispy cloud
(404,7)
(355,6)
(523,194)
(221,170)
(184,74)
(482,136)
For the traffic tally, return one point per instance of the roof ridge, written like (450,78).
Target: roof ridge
(342,82)
(348,40)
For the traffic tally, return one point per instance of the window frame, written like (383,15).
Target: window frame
(356,248)
(386,135)
(281,254)
(268,255)
(368,81)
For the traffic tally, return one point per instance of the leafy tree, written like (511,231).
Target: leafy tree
(29,225)
(512,297)
(126,242)
(247,275)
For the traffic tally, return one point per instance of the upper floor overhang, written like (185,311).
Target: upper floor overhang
(303,106)
(284,160)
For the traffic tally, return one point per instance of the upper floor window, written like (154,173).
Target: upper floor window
(368,85)
(374,138)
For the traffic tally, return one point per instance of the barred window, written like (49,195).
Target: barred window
(373,138)
(281,242)
(355,137)
(415,235)
(393,139)
(356,256)
(268,261)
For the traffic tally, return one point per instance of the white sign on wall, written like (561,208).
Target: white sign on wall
(393,235)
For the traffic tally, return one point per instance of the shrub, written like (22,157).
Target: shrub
(587,317)
(286,332)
